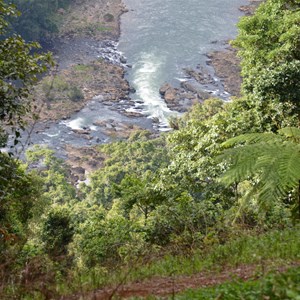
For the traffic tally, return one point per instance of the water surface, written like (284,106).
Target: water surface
(161,37)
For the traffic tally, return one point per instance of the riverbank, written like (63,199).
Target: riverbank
(89,60)
(226,63)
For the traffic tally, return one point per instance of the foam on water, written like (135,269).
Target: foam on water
(52,134)
(77,123)
(93,127)
(145,72)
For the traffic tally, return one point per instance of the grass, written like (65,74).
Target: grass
(274,286)
(66,87)
(83,68)
(275,247)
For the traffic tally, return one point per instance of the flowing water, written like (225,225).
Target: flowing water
(161,37)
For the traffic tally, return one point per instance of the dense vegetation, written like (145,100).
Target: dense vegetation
(38,19)
(183,199)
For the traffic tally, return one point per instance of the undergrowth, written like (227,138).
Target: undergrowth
(272,249)
(275,247)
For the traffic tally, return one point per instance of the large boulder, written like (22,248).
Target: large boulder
(164,88)
(170,95)
(168,92)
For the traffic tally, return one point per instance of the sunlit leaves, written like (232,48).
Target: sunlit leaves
(140,157)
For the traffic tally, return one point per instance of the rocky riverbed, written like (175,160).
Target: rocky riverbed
(219,77)
(88,62)
(91,76)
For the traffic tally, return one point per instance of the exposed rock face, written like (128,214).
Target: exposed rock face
(76,174)
(227,68)
(164,88)
(82,131)
(116,129)
(249,9)
(83,161)
(133,114)
(189,87)
(170,95)
(202,76)
(180,99)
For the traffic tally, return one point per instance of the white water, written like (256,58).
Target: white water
(146,71)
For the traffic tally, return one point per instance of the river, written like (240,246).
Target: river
(160,38)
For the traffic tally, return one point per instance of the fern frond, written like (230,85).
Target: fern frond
(288,169)
(271,159)
(291,132)
(242,161)
(247,160)
(250,138)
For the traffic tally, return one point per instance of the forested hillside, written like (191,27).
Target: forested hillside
(219,193)
(39,19)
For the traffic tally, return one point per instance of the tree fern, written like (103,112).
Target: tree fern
(272,159)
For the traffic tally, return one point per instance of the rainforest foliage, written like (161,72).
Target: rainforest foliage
(229,170)
(38,19)
(19,69)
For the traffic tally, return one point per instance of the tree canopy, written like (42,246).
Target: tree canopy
(39,18)
(19,68)
(268,44)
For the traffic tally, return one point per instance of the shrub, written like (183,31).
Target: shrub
(76,94)
(57,232)
(108,18)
